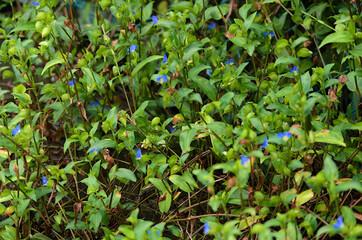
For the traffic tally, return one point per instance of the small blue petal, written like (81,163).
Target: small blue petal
(35,4)
(139,154)
(154,19)
(211,26)
(148,231)
(132,48)
(72,82)
(94,103)
(284,135)
(94,150)
(172,129)
(271,34)
(294,70)
(133,13)
(15,130)
(45,180)
(158,232)
(244,159)
(162,78)
(230,61)
(57,123)
(265,143)
(206,228)
(339,223)
(164,59)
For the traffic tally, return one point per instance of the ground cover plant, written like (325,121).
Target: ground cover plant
(180,119)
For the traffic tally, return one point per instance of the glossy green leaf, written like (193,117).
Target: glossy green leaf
(141,64)
(181,183)
(186,138)
(304,197)
(337,37)
(52,63)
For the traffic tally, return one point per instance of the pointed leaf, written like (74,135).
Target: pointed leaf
(144,62)
(337,37)
(52,63)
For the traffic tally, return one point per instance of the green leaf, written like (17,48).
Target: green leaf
(286,60)
(68,142)
(239,41)
(144,62)
(105,143)
(21,206)
(217,127)
(299,41)
(357,51)
(249,21)
(346,186)
(159,184)
(147,11)
(194,72)
(40,236)
(92,183)
(337,37)
(331,137)
(214,12)
(243,11)
(166,23)
(330,169)
(226,99)
(357,126)
(304,197)
(95,220)
(180,182)
(257,124)
(52,63)
(165,205)
(186,138)
(123,173)
(206,87)
(141,109)
(27,26)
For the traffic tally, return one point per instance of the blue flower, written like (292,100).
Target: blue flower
(265,143)
(132,48)
(230,61)
(45,180)
(94,103)
(172,129)
(133,13)
(164,59)
(162,78)
(284,135)
(72,82)
(15,130)
(35,4)
(271,34)
(206,228)
(57,123)
(154,19)
(294,70)
(94,150)
(339,223)
(211,26)
(244,159)
(139,154)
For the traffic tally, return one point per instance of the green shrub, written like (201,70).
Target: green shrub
(180,119)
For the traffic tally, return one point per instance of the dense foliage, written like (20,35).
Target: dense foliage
(180,119)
